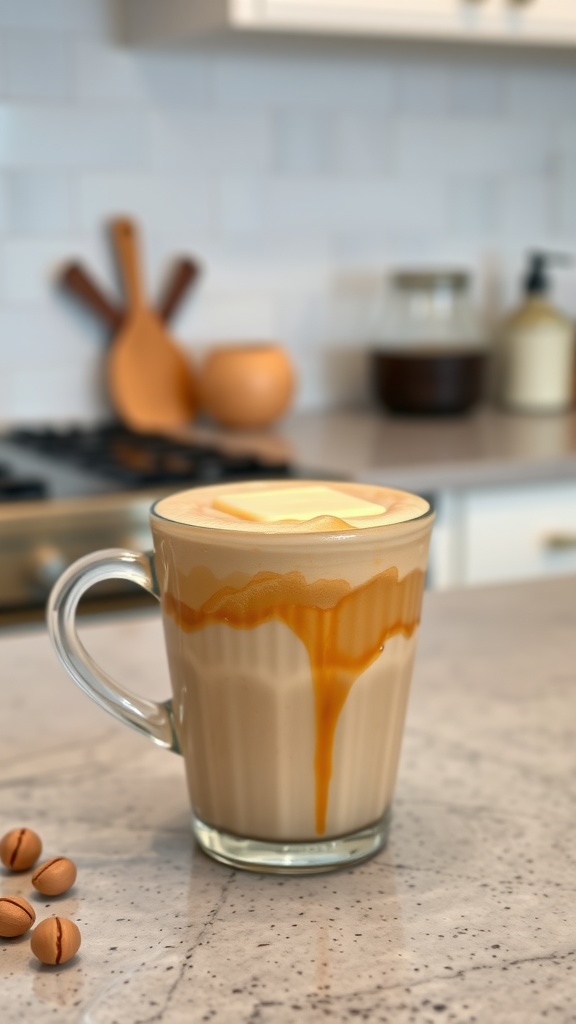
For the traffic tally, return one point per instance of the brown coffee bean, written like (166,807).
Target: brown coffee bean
(16,916)
(55,876)
(20,849)
(55,940)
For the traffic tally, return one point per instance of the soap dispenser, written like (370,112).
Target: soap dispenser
(537,348)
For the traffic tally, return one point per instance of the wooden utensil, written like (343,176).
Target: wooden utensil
(78,281)
(150,380)
(184,274)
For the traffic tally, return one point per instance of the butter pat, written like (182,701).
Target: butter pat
(296,504)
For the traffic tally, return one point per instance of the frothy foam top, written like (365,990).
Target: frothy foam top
(322,507)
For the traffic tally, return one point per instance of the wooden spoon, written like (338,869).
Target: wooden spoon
(184,273)
(150,379)
(78,281)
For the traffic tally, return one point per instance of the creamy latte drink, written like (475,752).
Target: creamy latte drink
(291,611)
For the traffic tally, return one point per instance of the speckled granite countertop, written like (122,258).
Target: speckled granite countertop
(468,916)
(486,447)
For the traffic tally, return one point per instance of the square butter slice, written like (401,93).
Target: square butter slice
(295,503)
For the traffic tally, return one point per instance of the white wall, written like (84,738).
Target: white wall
(298,174)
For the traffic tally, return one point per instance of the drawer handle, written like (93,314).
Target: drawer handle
(559,541)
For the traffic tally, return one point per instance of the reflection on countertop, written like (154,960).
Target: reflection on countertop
(484,447)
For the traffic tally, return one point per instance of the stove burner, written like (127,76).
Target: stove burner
(14,488)
(144,460)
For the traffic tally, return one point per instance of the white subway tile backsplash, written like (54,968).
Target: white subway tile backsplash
(228,316)
(4,203)
(423,87)
(564,138)
(363,145)
(329,354)
(309,368)
(403,248)
(563,199)
(240,206)
(303,143)
(305,206)
(275,266)
(162,202)
(210,142)
(65,392)
(29,267)
(286,168)
(273,78)
(52,332)
(39,202)
(545,88)
(357,314)
(107,72)
(38,64)
(473,206)
(478,91)
(65,136)
(276,255)
(56,15)
(462,145)
(525,208)
(178,78)
(3,65)
(331,376)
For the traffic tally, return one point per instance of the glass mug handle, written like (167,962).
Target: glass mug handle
(152,718)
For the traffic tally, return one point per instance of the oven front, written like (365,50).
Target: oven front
(69,491)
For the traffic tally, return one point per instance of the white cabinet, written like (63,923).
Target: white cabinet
(541,14)
(504,533)
(540,20)
(550,22)
(413,16)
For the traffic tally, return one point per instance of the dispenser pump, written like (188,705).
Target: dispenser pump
(537,279)
(537,352)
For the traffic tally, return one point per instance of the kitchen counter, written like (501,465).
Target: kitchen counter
(467,916)
(486,447)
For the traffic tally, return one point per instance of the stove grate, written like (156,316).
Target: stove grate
(142,460)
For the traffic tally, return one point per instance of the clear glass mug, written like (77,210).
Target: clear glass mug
(290,657)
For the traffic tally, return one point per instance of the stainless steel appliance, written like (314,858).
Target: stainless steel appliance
(66,491)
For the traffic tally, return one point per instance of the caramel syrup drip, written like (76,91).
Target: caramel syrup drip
(344,630)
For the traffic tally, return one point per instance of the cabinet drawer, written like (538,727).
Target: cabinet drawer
(518,532)
(415,17)
(541,15)
(361,7)
(511,22)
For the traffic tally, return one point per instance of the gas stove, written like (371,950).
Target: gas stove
(67,491)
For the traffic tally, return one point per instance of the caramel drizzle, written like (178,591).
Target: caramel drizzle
(344,630)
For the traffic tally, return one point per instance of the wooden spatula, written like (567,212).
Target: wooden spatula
(77,280)
(184,274)
(151,382)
